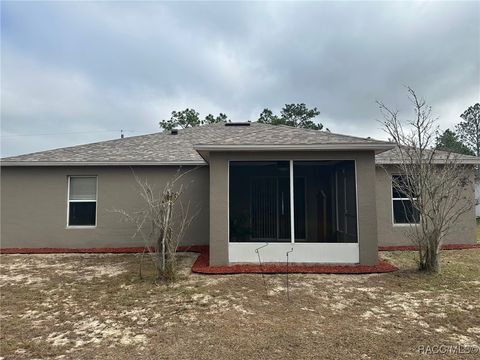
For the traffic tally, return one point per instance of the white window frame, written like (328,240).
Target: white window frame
(292,202)
(69,201)
(399,199)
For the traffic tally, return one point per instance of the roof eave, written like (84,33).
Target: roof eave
(103,163)
(439,161)
(295,147)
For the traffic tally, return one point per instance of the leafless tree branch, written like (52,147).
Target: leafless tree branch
(436,182)
(161,222)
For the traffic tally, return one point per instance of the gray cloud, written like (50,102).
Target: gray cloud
(91,69)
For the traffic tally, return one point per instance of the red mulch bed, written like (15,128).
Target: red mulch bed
(201,265)
(444,247)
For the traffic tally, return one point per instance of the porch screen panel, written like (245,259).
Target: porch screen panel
(350,203)
(341,195)
(300,208)
(346,202)
(259,201)
(325,201)
(264,208)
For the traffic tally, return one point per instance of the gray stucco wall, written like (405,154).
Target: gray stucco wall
(34,205)
(394,235)
(367,219)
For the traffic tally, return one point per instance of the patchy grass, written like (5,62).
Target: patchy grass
(94,306)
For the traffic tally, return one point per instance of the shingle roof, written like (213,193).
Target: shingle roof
(262,134)
(393,157)
(164,148)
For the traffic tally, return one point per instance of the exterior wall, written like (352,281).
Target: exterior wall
(34,206)
(365,170)
(396,235)
(477,196)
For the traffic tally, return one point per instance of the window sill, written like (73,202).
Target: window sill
(403,225)
(81,227)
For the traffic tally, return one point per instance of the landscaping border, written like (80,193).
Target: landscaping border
(201,265)
(444,247)
(193,248)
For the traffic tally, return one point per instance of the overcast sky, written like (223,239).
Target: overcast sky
(75,73)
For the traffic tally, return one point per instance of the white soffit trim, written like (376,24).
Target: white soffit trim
(333,253)
(247,147)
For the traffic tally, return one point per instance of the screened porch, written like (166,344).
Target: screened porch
(323,194)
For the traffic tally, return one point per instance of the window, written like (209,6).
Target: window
(403,210)
(82,200)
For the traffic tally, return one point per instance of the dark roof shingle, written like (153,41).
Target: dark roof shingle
(163,147)
(394,156)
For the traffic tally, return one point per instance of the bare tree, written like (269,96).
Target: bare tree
(161,223)
(435,182)
(469,128)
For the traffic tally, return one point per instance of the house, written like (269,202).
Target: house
(326,196)
(477,192)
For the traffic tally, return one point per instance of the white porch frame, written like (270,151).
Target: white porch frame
(335,253)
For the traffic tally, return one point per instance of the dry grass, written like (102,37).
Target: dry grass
(478,230)
(94,306)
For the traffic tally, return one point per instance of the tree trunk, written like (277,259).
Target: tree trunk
(430,254)
(430,263)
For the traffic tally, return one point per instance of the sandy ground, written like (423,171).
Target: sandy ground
(95,306)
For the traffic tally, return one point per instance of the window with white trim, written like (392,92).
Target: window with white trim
(82,201)
(403,210)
